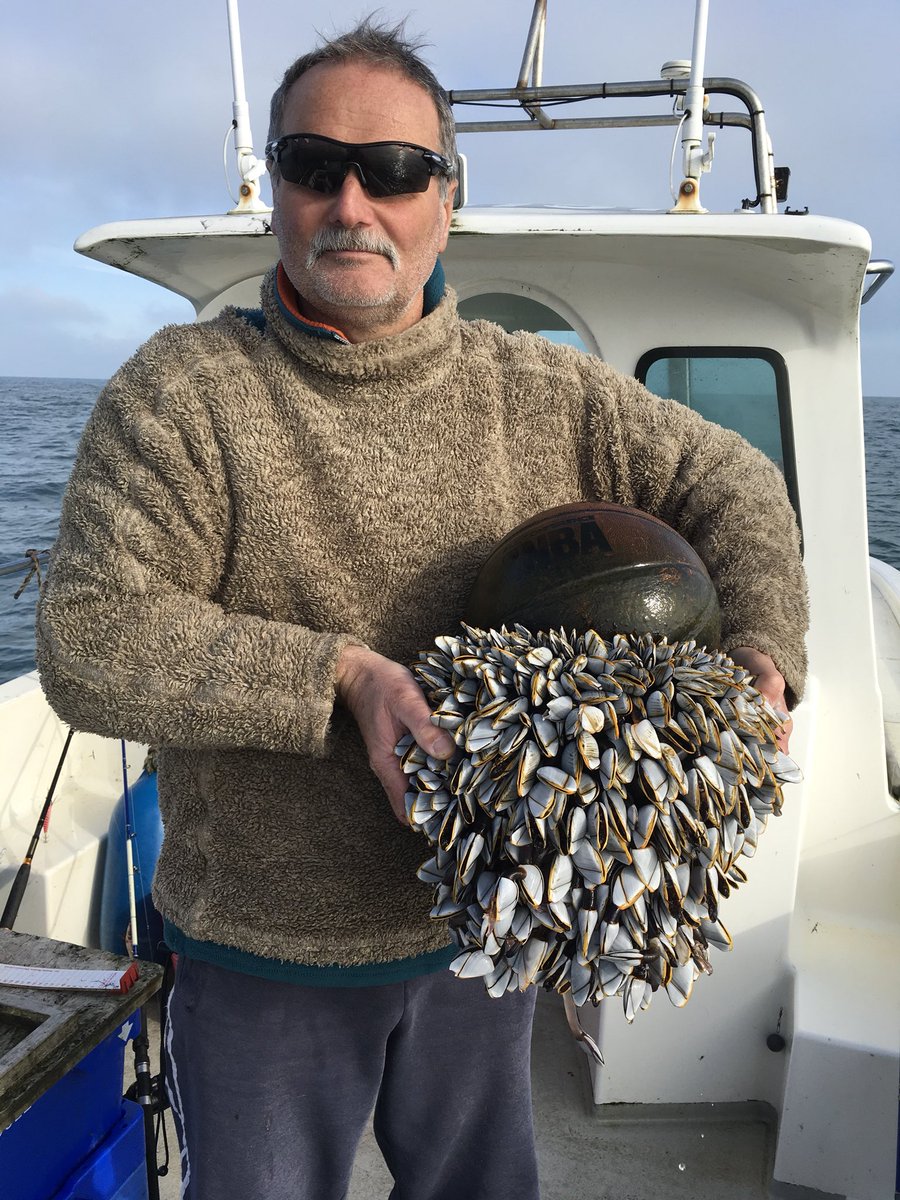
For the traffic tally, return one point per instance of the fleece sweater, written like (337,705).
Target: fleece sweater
(247,502)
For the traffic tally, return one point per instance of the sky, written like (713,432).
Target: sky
(115,110)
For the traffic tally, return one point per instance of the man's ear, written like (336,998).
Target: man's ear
(447,206)
(273,219)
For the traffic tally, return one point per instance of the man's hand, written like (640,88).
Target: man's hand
(386,702)
(769,682)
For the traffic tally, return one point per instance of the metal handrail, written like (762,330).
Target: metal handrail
(528,97)
(882,269)
(690,90)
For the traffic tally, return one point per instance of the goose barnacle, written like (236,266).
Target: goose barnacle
(586,832)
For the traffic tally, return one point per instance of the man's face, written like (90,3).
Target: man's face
(361,292)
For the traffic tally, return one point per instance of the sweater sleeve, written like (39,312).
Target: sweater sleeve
(726,498)
(130,639)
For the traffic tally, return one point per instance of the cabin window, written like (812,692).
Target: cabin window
(520,313)
(745,389)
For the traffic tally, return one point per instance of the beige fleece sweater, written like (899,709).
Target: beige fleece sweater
(244,504)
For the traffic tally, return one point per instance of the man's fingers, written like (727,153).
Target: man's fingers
(783,734)
(391,777)
(412,710)
(770,684)
(387,702)
(433,741)
(772,689)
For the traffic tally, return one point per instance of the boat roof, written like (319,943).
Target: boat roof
(199,257)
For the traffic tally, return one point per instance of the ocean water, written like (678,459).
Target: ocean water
(43,418)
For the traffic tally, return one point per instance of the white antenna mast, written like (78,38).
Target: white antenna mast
(249,166)
(694,160)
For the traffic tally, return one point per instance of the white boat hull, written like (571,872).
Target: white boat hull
(63,896)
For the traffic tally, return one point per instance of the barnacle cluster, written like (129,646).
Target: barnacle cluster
(591,820)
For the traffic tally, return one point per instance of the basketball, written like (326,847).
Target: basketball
(597,565)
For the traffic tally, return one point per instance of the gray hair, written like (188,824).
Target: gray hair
(383,46)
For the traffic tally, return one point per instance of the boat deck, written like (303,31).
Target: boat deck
(696,1152)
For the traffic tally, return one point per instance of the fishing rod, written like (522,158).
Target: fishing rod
(32,564)
(20,883)
(143,1089)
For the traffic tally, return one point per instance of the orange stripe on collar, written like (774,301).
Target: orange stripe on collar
(288,296)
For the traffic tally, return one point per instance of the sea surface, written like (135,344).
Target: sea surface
(43,418)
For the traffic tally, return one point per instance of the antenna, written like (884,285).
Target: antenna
(249,166)
(694,160)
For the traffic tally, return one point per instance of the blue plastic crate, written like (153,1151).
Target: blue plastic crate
(117,1169)
(61,1130)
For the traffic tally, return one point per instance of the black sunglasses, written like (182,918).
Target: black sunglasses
(384,168)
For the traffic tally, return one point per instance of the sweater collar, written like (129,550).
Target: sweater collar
(289,303)
(419,355)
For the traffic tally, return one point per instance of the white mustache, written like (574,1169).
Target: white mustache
(329,238)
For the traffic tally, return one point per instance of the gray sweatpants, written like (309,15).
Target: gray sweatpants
(272,1083)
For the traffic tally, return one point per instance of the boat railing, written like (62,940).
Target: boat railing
(682,81)
(31,564)
(536,99)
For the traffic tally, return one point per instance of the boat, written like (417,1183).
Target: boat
(752,317)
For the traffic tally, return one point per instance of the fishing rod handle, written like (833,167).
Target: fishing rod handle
(17,891)
(14,899)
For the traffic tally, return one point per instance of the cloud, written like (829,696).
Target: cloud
(44,333)
(35,306)
(111,118)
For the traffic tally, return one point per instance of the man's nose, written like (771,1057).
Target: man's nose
(351,203)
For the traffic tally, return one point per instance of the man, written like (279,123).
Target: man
(269,515)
